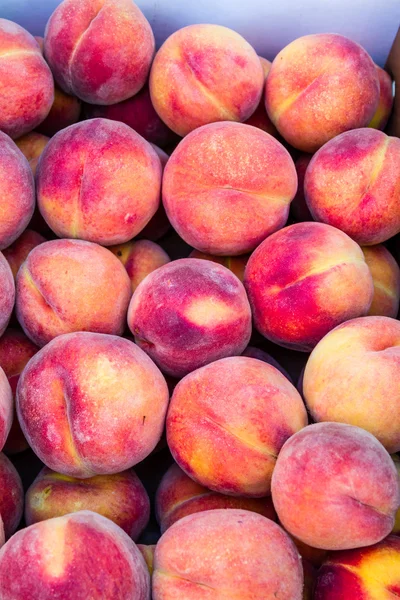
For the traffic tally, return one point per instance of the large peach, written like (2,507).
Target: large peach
(17,253)
(11,496)
(188,313)
(32,145)
(71,285)
(140,258)
(335,487)
(228,421)
(91,404)
(99,50)
(236,264)
(383,112)
(303,281)
(227,186)
(319,86)
(99,181)
(353,183)
(7,294)
(226,554)
(83,555)
(386,277)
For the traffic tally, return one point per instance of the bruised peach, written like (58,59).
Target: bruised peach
(140,258)
(236,264)
(32,145)
(17,253)
(299,208)
(260,117)
(11,496)
(7,294)
(383,112)
(386,277)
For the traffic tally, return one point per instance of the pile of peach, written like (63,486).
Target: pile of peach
(277,194)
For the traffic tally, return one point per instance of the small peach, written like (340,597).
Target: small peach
(140,258)
(386,277)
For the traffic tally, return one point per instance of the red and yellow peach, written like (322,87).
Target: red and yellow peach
(17,253)
(32,145)
(383,112)
(140,258)
(386,277)
(148,555)
(236,264)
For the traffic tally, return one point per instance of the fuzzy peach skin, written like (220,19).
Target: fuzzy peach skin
(71,285)
(353,183)
(7,294)
(303,281)
(178,496)
(236,264)
(26,83)
(363,574)
(17,253)
(148,555)
(221,554)
(11,496)
(120,497)
(140,258)
(32,145)
(335,487)
(260,117)
(228,421)
(351,378)
(299,208)
(99,50)
(6,408)
(17,200)
(227,186)
(384,110)
(91,404)
(188,313)
(386,277)
(83,555)
(396,528)
(100,181)
(319,86)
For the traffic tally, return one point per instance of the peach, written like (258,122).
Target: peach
(236,264)
(99,50)
(335,487)
(11,496)
(26,83)
(253,352)
(83,555)
(351,378)
(6,408)
(320,86)
(227,422)
(103,410)
(120,497)
(396,528)
(32,145)
(7,294)
(227,186)
(99,181)
(226,554)
(17,253)
(71,285)
(203,74)
(303,281)
(299,208)
(260,117)
(383,112)
(188,313)
(148,555)
(362,574)
(140,258)
(353,183)
(386,277)
(17,201)
(65,111)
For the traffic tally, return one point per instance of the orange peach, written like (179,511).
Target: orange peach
(319,86)
(99,50)
(103,410)
(6,408)
(140,258)
(203,74)
(351,377)
(11,496)
(226,554)
(299,208)
(260,117)
(227,422)
(383,112)
(71,285)
(396,528)
(353,183)
(227,186)
(99,181)
(188,313)
(386,277)
(148,555)
(335,487)
(236,264)
(83,555)
(65,111)
(26,83)
(120,497)
(253,352)
(17,253)
(7,294)
(32,145)
(303,281)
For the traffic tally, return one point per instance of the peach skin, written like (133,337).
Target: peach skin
(188,313)
(227,186)
(353,183)
(99,50)
(227,422)
(6,408)
(103,410)
(7,294)
(351,378)
(303,281)
(335,487)
(71,285)
(11,496)
(236,264)
(260,117)
(320,86)
(226,554)
(140,258)
(386,277)
(83,555)
(32,145)
(17,253)
(99,181)
(384,110)
(299,209)
(396,528)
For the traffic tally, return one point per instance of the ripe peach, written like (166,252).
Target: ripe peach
(299,208)
(104,410)
(303,281)
(140,258)
(386,277)
(236,264)
(319,86)
(189,313)
(99,50)
(335,487)
(383,112)
(17,253)
(32,145)
(260,117)
(353,183)
(71,285)
(227,186)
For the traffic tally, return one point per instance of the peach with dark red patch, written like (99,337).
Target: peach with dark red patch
(17,253)
(299,208)
(11,496)
(32,145)
(236,264)
(383,112)
(189,313)
(386,277)
(140,258)
(7,294)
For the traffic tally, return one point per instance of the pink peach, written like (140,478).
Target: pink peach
(6,408)
(7,294)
